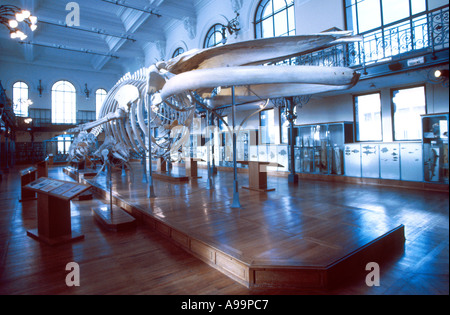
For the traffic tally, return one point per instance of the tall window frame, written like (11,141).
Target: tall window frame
(269,131)
(178,51)
(275,18)
(64,103)
(215,36)
(100,96)
(368,117)
(407,111)
(389,28)
(21,99)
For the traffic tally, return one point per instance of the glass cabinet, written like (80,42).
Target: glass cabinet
(320,147)
(435,147)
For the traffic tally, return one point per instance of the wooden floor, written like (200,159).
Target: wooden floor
(144,261)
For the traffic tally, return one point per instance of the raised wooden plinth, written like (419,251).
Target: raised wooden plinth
(76,174)
(273,274)
(298,263)
(115,220)
(170,177)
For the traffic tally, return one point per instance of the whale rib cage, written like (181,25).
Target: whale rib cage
(163,97)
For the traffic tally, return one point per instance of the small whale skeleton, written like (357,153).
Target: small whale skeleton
(160,101)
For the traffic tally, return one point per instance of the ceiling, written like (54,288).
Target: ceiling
(111,34)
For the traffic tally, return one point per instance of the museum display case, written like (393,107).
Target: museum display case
(390,161)
(320,147)
(435,147)
(396,161)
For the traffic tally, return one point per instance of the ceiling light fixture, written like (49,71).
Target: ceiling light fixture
(441,74)
(12,16)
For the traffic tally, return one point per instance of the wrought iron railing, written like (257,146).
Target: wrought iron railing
(428,32)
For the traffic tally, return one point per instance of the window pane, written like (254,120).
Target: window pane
(281,26)
(291,18)
(409,105)
(395,10)
(267,26)
(100,96)
(20,99)
(214,36)
(368,117)
(268,129)
(178,52)
(267,11)
(352,21)
(63,103)
(284,126)
(278,5)
(275,18)
(418,6)
(369,15)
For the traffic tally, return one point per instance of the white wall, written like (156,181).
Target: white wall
(208,13)
(31,74)
(326,109)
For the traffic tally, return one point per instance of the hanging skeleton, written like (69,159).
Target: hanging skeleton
(167,94)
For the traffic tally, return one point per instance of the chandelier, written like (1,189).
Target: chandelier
(13,17)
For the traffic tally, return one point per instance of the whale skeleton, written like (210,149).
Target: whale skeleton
(160,101)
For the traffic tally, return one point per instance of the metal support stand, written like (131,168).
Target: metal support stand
(213,166)
(210,183)
(151,190)
(144,170)
(110,187)
(124,173)
(236,203)
(293,177)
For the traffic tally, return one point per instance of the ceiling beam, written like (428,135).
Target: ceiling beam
(128,6)
(63,47)
(89,30)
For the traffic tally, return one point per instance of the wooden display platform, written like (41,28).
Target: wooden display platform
(115,220)
(170,177)
(299,244)
(76,174)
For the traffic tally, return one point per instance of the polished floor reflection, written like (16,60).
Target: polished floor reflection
(288,226)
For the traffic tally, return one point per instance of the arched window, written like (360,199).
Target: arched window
(100,96)
(20,99)
(275,18)
(215,36)
(64,103)
(178,52)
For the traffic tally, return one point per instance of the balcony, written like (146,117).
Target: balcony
(422,35)
(41,120)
